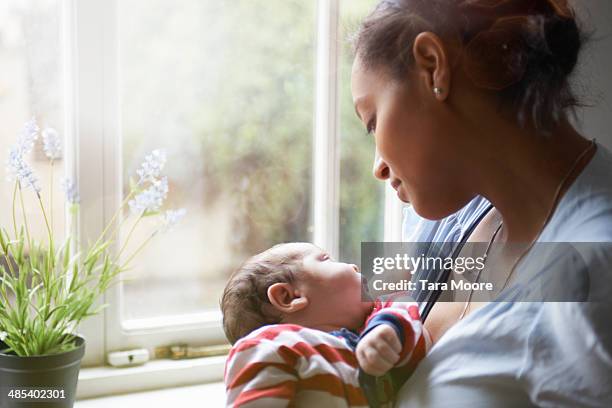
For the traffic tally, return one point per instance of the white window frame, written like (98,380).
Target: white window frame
(93,127)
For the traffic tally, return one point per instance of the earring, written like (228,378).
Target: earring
(437,91)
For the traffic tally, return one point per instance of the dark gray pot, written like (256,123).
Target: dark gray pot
(59,372)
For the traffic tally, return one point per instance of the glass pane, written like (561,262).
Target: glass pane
(31,85)
(361,195)
(226,88)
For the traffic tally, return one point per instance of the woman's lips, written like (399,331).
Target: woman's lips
(396,183)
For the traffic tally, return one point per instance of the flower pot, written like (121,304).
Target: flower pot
(47,381)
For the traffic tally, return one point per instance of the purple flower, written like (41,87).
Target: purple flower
(52,144)
(18,169)
(171,218)
(152,166)
(29,134)
(70,189)
(151,199)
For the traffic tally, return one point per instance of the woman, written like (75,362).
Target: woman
(469,103)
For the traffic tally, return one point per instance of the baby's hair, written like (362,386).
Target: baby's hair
(245,304)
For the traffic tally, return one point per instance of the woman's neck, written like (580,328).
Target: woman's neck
(522,178)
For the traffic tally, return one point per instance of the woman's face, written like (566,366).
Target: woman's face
(418,150)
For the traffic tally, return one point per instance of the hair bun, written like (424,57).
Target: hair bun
(562,37)
(501,55)
(496,57)
(561,8)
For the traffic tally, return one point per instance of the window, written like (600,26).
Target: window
(262,141)
(251,101)
(209,82)
(32,85)
(235,113)
(362,197)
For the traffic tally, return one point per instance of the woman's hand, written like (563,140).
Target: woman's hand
(379,350)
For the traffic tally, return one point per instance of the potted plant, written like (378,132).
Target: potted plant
(47,288)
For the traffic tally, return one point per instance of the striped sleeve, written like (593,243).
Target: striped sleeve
(404,317)
(284,365)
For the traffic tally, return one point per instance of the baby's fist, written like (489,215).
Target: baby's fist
(379,350)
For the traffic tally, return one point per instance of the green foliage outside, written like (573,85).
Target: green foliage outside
(245,89)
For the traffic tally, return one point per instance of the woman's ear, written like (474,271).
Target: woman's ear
(285,298)
(432,64)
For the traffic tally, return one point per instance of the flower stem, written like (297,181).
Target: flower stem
(25,219)
(42,207)
(127,239)
(14,208)
(112,221)
(51,194)
(146,241)
(51,248)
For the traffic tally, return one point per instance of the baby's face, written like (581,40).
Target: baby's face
(333,289)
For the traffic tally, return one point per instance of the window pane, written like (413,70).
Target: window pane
(226,88)
(361,195)
(31,84)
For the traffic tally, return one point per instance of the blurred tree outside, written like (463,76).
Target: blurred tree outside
(361,195)
(227,88)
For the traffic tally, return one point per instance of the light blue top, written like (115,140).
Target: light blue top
(550,354)
(440,239)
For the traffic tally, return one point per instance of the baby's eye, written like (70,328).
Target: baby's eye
(324,257)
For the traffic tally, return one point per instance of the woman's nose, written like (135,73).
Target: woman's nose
(381,170)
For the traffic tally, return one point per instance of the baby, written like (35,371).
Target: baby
(304,331)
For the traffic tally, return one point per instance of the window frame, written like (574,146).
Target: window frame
(93,128)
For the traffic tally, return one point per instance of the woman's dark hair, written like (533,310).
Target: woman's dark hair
(525,50)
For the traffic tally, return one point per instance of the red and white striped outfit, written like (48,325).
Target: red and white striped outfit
(285,365)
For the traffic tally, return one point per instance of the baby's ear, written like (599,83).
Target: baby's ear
(285,298)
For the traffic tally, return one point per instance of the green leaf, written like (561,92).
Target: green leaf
(66,250)
(4,240)
(9,281)
(20,246)
(33,291)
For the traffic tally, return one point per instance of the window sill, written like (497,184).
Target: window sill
(210,395)
(156,374)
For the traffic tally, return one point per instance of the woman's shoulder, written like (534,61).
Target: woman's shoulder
(584,213)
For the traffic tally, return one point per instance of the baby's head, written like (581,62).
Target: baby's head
(294,283)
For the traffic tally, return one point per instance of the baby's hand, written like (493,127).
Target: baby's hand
(379,350)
